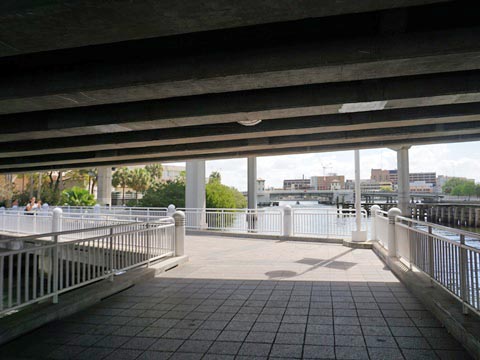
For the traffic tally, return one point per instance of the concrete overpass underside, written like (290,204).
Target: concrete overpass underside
(100,83)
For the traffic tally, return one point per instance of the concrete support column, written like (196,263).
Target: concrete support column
(179,218)
(358,234)
(403,180)
(195,191)
(477,217)
(470,216)
(104,185)
(252,182)
(392,242)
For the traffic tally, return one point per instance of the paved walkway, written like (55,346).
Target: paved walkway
(253,299)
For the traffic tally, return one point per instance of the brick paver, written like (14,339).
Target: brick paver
(253,299)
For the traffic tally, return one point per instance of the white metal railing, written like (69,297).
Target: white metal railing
(450,257)
(312,222)
(50,264)
(115,210)
(265,221)
(38,222)
(326,223)
(381,227)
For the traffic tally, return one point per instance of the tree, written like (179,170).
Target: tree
(121,178)
(215,177)
(139,181)
(468,189)
(77,197)
(155,171)
(164,194)
(477,190)
(450,184)
(386,188)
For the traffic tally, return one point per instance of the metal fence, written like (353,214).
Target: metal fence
(312,222)
(326,223)
(50,264)
(264,221)
(450,257)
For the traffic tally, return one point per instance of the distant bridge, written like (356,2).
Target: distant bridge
(333,196)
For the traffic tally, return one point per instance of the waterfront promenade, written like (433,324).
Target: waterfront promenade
(252,299)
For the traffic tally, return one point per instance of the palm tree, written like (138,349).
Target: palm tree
(121,177)
(155,171)
(139,181)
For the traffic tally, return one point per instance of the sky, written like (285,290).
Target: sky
(459,159)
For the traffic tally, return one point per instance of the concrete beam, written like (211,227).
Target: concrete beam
(33,26)
(256,146)
(445,114)
(331,98)
(161,76)
(246,153)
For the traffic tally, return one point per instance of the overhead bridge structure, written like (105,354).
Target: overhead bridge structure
(118,82)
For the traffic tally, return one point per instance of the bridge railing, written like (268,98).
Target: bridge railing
(450,257)
(50,264)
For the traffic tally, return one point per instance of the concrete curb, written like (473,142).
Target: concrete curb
(448,310)
(35,316)
(264,237)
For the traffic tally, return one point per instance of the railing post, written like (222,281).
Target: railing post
(56,227)
(2,212)
(57,220)
(148,245)
(287,221)
(55,270)
(373,214)
(392,243)
(431,257)
(179,217)
(463,274)
(112,273)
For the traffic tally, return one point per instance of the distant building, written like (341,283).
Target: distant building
(296,184)
(421,187)
(326,182)
(428,177)
(171,172)
(380,175)
(260,185)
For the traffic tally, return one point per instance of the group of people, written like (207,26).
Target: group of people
(31,206)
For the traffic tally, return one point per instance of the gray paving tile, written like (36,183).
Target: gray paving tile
(155,355)
(412,342)
(380,341)
(232,335)
(418,354)
(379,353)
(112,341)
(260,337)
(349,340)
(290,338)
(405,331)
(225,347)
(124,354)
(287,351)
(347,330)
(195,346)
(319,339)
(318,352)
(351,353)
(93,353)
(140,343)
(166,345)
(255,349)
